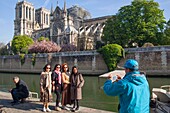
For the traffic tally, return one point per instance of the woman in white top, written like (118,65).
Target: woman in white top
(45,87)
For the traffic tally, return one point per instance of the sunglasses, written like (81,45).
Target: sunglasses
(48,68)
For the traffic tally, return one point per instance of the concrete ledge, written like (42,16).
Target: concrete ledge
(34,106)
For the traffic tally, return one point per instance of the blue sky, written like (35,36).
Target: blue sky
(97,8)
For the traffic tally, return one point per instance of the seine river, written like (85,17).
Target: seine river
(93,95)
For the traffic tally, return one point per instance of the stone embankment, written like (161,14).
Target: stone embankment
(33,105)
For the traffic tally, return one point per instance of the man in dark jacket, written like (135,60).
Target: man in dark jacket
(20,92)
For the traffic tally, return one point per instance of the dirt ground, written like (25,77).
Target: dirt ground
(33,105)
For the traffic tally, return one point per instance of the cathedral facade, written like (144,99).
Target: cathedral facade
(62,25)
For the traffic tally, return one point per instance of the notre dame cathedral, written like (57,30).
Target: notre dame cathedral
(62,25)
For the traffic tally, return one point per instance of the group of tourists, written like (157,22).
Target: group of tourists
(64,84)
(132,89)
(67,87)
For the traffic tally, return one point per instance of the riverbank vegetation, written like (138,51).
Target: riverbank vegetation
(112,54)
(136,24)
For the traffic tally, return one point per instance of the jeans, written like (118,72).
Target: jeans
(17,95)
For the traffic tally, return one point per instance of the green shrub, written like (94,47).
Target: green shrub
(22,58)
(33,59)
(112,54)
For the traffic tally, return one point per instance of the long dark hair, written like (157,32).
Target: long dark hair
(44,68)
(73,69)
(56,67)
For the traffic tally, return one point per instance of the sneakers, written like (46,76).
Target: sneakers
(44,109)
(77,108)
(57,108)
(73,109)
(48,110)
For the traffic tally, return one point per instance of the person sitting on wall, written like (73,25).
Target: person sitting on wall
(20,92)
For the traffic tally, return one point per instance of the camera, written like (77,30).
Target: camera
(114,78)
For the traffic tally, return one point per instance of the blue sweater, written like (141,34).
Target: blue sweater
(133,92)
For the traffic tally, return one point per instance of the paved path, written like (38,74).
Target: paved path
(34,106)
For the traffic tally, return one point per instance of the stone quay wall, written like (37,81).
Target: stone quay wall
(88,62)
(152,60)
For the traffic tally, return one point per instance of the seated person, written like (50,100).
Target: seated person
(20,92)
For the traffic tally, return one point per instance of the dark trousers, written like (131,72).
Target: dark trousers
(17,95)
(75,103)
(58,94)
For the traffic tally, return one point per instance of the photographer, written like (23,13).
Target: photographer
(133,89)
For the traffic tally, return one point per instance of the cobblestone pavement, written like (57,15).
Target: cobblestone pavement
(34,106)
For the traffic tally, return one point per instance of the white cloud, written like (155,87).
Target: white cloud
(46,3)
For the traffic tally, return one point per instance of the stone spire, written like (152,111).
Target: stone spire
(65,10)
(57,2)
(65,15)
(52,9)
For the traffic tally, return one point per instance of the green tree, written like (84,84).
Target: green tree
(21,43)
(166,40)
(42,38)
(112,54)
(140,22)
(3,50)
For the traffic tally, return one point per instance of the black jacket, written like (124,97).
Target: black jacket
(21,86)
(55,78)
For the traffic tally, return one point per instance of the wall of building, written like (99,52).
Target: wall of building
(152,60)
(88,62)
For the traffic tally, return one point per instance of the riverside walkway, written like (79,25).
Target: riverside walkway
(33,105)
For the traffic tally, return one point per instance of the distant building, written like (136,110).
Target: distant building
(63,26)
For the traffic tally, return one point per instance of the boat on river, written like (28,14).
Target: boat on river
(160,101)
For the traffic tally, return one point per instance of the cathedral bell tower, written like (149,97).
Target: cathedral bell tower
(65,16)
(24,18)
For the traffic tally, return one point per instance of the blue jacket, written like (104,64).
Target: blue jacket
(133,92)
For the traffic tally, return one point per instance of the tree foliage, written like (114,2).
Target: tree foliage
(112,54)
(44,47)
(68,47)
(140,22)
(166,40)
(148,45)
(42,38)
(21,43)
(3,50)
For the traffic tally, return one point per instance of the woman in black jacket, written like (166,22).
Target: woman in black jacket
(57,85)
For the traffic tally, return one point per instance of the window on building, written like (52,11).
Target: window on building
(26,12)
(44,17)
(47,19)
(20,12)
(29,13)
(38,18)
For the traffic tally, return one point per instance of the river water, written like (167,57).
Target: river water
(93,95)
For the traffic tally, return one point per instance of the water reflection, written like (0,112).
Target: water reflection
(93,96)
